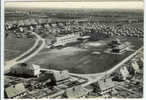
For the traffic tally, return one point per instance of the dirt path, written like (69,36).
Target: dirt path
(14,61)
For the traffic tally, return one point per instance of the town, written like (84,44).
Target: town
(72,56)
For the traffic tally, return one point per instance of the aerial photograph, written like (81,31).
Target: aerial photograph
(63,50)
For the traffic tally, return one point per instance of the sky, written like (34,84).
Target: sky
(78,5)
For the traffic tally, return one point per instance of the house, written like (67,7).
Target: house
(27,22)
(20,23)
(21,29)
(9,25)
(141,59)
(135,66)
(32,21)
(105,85)
(59,77)
(41,21)
(76,92)
(124,72)
(14,91)
(116,41)
(140,62)
(26,69)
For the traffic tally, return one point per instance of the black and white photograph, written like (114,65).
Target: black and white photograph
(77,49)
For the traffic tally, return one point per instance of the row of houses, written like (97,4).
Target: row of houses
(134,66)
(33,70)
(51,78)
(56,78)
(86,27)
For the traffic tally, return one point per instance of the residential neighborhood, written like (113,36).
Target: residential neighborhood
(73,53)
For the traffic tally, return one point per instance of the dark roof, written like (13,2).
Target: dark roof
(14,90)
(7,81)
(26,65)
(76,92)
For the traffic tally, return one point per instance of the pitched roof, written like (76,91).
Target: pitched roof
(58,76)
(76,92)
(135,66)
(105,84)
(15,90)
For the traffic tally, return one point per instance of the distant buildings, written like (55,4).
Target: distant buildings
(116,42)
(26,69)
(14,91)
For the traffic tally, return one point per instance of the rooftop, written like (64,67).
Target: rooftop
(76,92)
(14,90)
(105,84)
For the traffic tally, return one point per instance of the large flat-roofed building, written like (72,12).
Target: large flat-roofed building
(26,69)
(63,40)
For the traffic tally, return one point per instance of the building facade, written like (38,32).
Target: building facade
(63,40)
(26,69)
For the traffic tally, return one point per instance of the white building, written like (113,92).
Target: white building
(125,73)
(26,69)
(59,76)
(63,40)
(105,85)
(135,66)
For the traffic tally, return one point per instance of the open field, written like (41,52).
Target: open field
(83,58)
(14,47)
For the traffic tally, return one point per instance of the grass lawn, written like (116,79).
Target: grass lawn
(14,47)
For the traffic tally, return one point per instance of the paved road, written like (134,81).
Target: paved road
(16,60)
